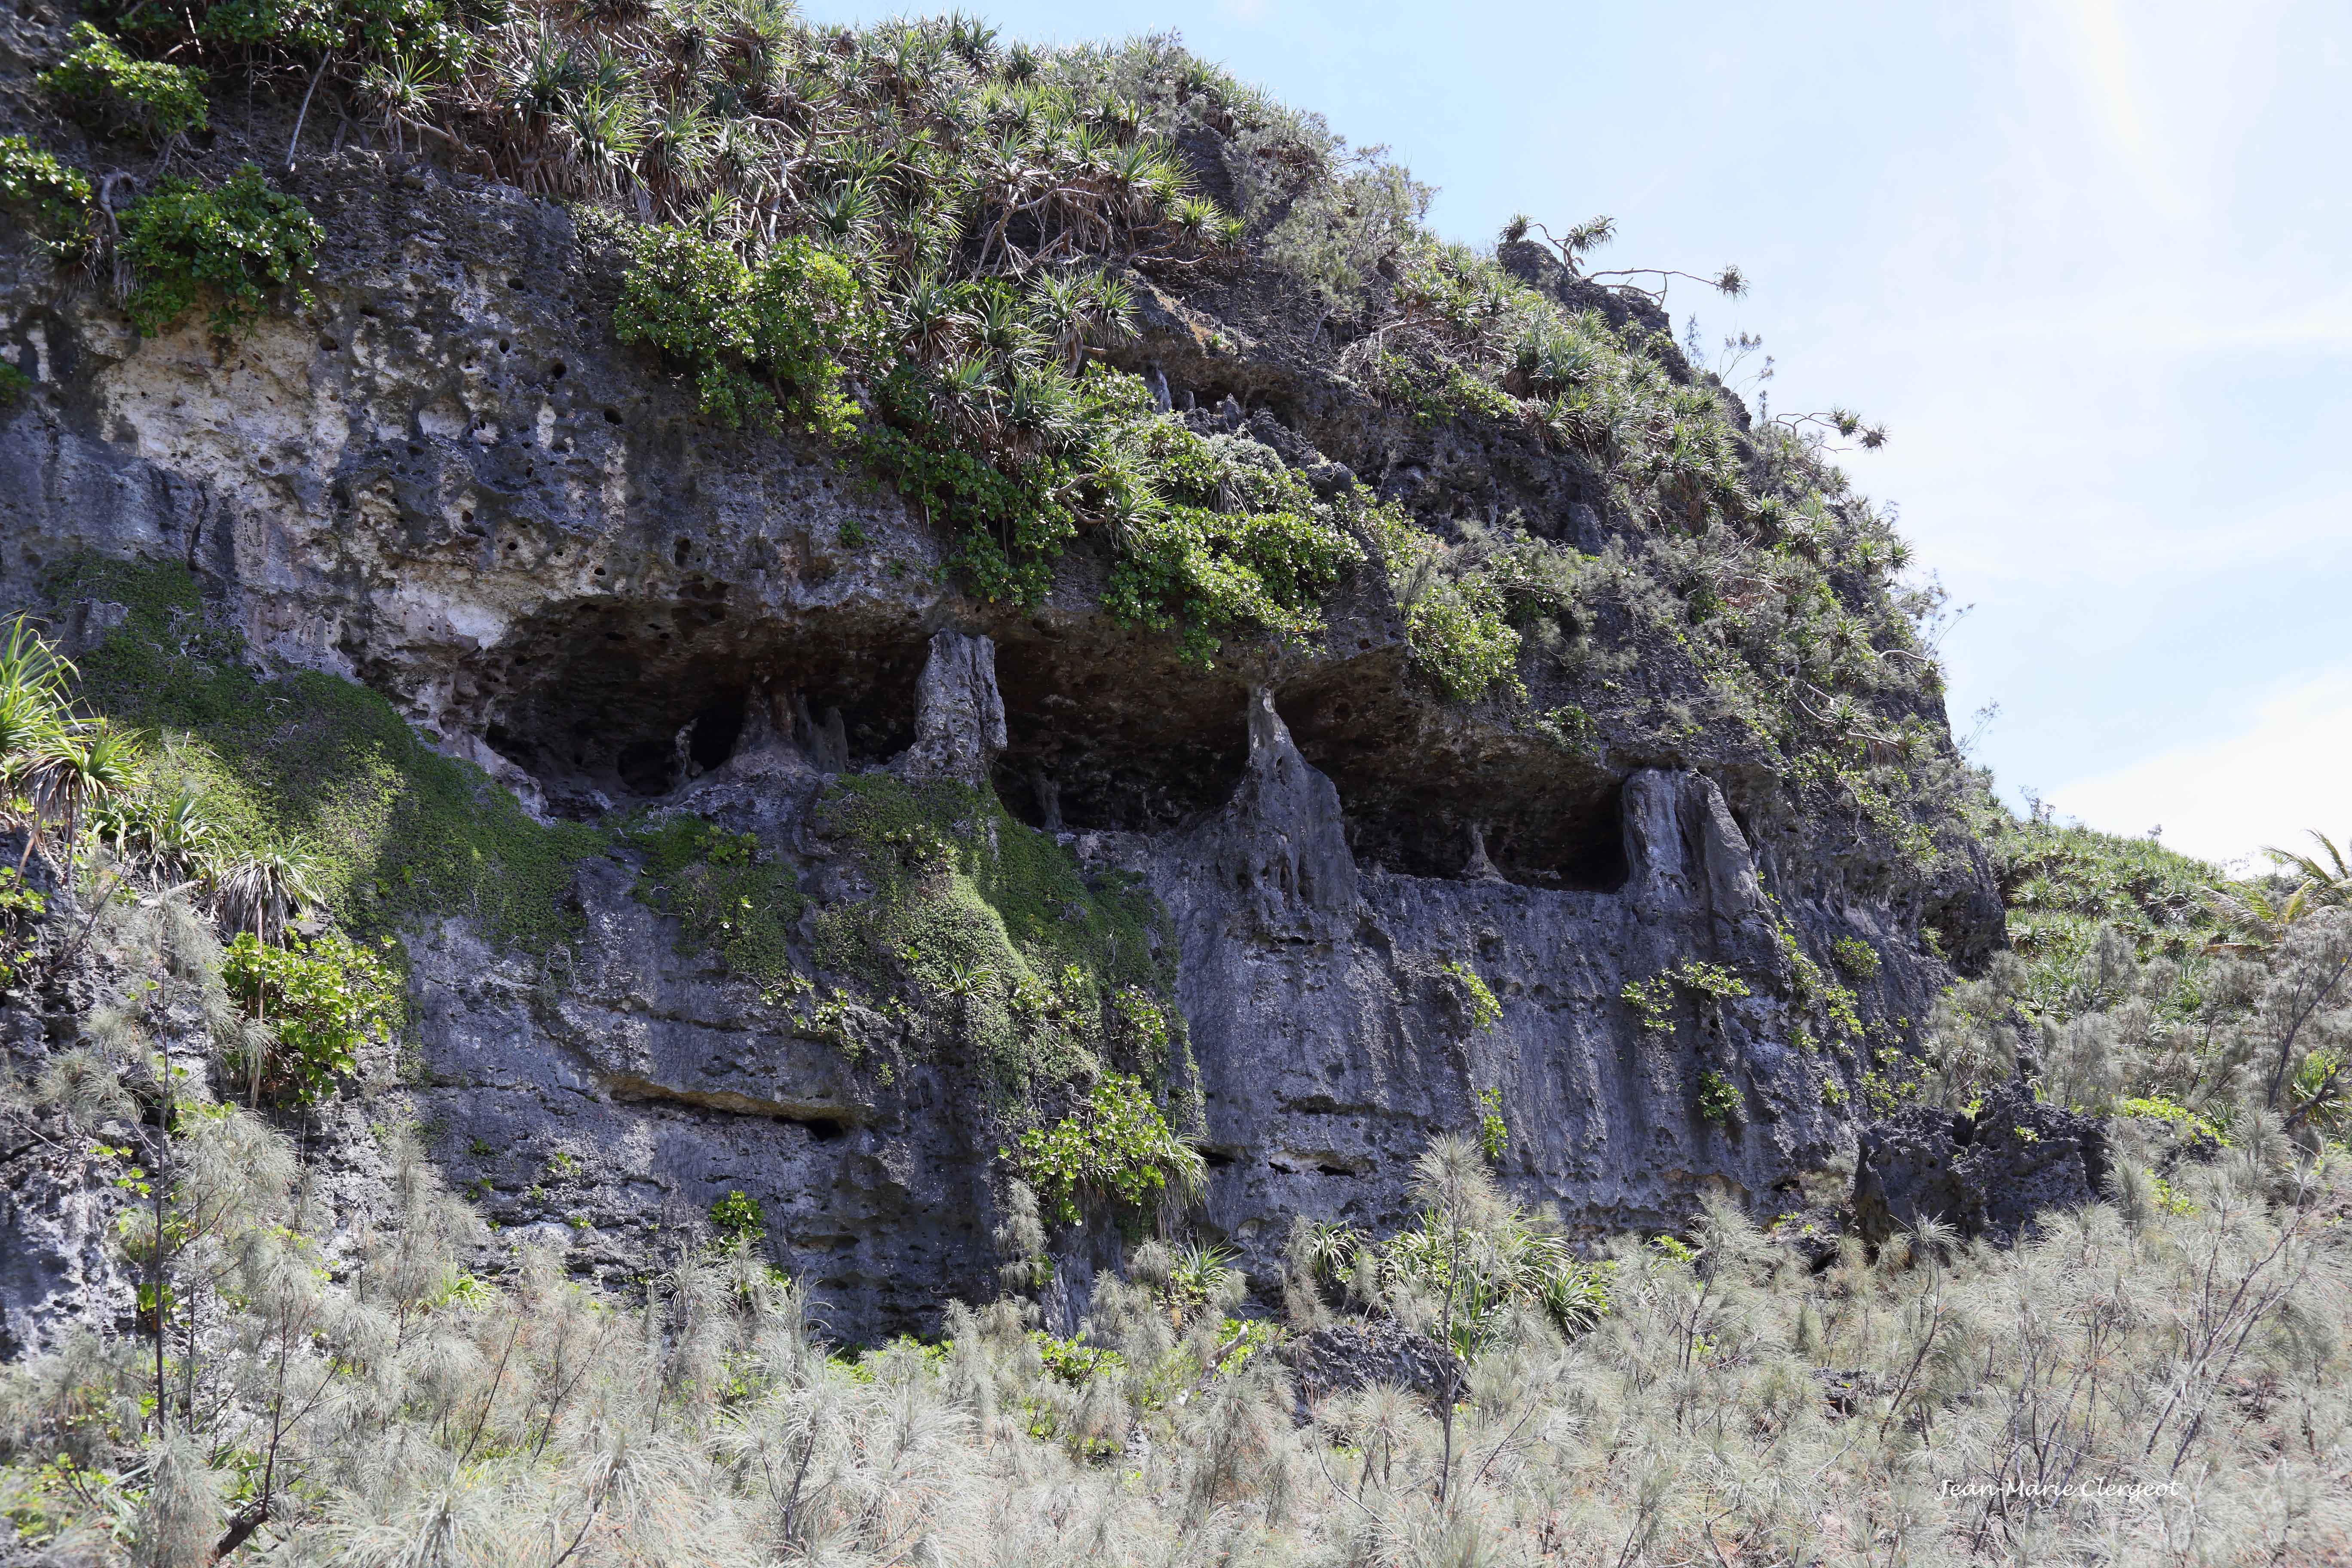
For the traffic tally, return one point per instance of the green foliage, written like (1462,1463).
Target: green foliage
(430,35)
(21,908)
(725,893)
(51,199)
(401,833)
(1455,624)
(1856,957)
(1115,1148)
(228,245)
(2163,1108)
(105,84)
(2063,885)
(1483,1009)
(1571,729)
(739,1220)
(1652,1000)
(1708,980)
(1458,635)
(1493,1133)
(988,932)
(323,998)
(14,384)
(1074,1362)
(764,342)
(1489,1261)
(1240,541)
(1719,1098)
(1814,990)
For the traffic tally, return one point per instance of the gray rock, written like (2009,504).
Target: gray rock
(1346,1356)
(1988,1175)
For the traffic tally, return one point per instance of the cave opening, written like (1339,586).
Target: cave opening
(611,703)
(1419,800)
(1115,734)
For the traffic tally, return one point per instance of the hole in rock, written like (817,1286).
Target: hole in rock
(605,702)
(1113,732)
(824,1130)
(1414,792)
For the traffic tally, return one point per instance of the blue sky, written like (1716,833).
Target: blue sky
(2091,262)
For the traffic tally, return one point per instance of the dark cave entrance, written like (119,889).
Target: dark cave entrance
(1115,734)
(609,703)
(1423,801)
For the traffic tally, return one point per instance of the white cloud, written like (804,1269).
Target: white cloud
(2289,770)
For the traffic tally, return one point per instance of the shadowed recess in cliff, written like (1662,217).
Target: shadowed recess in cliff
(1114,733)
(1430,801)
(605,702)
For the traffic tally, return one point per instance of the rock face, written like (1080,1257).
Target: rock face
(447,482)
(1349,1356)
(1987,1174)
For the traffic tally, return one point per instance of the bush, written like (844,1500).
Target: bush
(400,830)
(739,1220)
(323,998)
(1116,1148)
(725,894)
(1855,956)
(764,342)
(52,200)
(105,84)
(1478,996)
(430,35)
(229,246)
(1719,1098)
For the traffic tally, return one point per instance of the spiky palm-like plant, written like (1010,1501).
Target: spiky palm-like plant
(2327,875)
(81,767)
(266,888)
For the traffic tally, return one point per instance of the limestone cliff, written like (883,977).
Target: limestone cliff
(445,480)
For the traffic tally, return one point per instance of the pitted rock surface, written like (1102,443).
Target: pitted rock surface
(1988,1175)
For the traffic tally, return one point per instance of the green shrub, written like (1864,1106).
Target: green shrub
(1719,1098)
(323,998)
(739,1220)
(2163,1108)
(1073,1361)
(764,342)
(1855,956)
(229,246)
(986,928)
(14,384)
(1483,1009)
(1116,1148)
(1493,1133)
(105,84)
(21,909)
(52,200)
(431,35)
(1709,980)
(1652,1000)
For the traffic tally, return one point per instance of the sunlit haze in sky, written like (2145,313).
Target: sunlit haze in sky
(2091,263)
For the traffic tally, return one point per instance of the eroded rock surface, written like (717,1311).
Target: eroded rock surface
(1988,1173)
